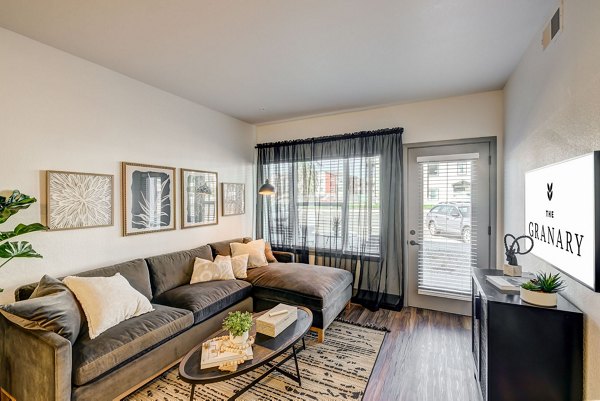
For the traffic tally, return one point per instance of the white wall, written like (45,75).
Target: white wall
(60,112)
(459,117)
(552,104)
(470,116)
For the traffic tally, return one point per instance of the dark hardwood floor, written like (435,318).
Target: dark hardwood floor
(426,356)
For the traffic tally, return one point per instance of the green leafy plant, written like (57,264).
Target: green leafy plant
(237,323)
(16,249)
(545,282)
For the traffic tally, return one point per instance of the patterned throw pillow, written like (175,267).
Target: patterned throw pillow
(239,264)
(107,301)
(255,251)
(205,270)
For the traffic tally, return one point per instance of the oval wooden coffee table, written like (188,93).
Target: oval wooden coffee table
(265,350)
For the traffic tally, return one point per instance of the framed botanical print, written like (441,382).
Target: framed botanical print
(199,196)
(78,200)
(148,198)
(234,199)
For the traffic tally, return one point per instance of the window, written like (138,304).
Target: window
(461,168)
(334,204)
(448,250)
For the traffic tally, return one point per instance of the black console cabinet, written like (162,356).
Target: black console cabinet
(523,352)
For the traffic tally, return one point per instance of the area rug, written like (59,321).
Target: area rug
(337,369)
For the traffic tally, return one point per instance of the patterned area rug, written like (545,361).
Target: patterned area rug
(337,369)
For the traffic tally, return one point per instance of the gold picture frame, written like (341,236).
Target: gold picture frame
(148,198)
(199,198)
(77,200)
(233,199)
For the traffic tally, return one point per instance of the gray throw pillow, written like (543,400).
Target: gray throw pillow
(52,306)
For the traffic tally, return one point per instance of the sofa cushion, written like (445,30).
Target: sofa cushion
(135,271)
(206,299)
(125,341)
(222,247)
(299,284)
(174,269)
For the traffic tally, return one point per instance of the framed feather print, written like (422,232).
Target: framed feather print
(148,198)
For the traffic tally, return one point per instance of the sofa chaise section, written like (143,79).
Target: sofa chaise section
(324,290)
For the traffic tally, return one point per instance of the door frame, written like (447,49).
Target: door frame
(493,201)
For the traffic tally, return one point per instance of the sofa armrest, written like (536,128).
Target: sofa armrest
(34,364)
(284,257)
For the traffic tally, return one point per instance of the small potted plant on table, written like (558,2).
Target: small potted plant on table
(542,290)
(238,324)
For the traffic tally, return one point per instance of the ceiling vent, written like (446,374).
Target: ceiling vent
(553,28)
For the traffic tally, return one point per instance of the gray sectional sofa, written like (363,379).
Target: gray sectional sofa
(42,365)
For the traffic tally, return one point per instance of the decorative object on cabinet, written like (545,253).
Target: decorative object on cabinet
(16,249)
(79,200)
(199,195)
(542,289)
(513,268)
(523,352)
(148,198)
(234,199)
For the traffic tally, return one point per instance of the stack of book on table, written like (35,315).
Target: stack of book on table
(276,320)
(214,354)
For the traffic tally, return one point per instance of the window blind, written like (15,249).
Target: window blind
(447,228)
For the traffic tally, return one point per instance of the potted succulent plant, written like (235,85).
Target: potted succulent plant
(238,324)
(16,249)
(542,290)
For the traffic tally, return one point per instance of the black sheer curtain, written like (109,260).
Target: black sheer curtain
(338,203)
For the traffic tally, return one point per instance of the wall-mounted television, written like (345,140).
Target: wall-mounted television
(562,215)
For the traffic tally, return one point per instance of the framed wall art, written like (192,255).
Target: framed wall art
(78,200)
(148,198)
(234,199)
(199,195)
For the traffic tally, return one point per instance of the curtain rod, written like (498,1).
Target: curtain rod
(360,134)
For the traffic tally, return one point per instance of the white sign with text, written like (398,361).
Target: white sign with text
(560,216)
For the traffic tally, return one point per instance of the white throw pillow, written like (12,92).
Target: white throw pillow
(107,301)
(255,251)
(239,264)
(205,270)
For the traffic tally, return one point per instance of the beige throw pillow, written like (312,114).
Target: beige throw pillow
(205,270)
(107,301)
(239,264)
(254,249)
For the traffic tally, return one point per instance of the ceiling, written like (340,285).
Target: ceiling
(266,60)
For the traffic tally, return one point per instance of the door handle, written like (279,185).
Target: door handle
(413,242)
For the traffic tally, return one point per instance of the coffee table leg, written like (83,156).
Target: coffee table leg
(192,392)
(296,361)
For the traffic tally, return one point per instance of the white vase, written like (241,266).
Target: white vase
(239,339)
(538,298)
